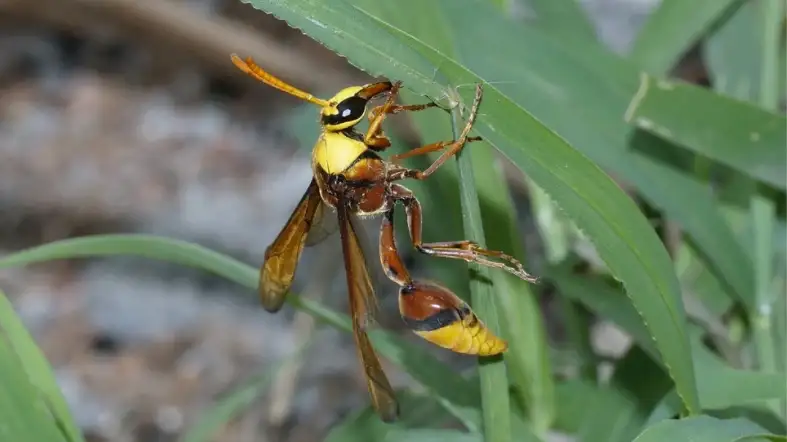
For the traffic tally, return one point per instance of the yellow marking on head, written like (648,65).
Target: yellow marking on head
(334,152)
(461,338)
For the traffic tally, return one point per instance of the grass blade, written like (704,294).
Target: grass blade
(673,28)
(436,376)
(19,345)
(23,407)
(701,429)
(495,404)
(418,411)
(564,18)
(742,136)
(527,358)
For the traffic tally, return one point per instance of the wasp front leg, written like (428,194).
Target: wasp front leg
(374,137)
(431,311)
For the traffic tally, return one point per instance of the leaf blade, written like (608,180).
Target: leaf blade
(673,28)
(742,136)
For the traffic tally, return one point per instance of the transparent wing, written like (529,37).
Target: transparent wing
(361,296)
(282,256)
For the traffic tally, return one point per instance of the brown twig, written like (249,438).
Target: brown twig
(177,29)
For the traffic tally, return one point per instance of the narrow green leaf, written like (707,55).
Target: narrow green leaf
(742,136)
(430,435)
(25,413)
(673,29)
(701,429)
(417,411)
(420,363)
(38,370)
(733,53)
(592,412)
(528,353)
(564,18)
(218,415)
(701,282)
(720,385)
(605,301)
(495,405)
(630,371)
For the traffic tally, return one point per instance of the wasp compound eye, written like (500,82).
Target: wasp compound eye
(350,109)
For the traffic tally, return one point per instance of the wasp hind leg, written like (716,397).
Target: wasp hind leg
(465,250)
(431,311)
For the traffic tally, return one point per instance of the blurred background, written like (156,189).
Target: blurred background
(128,116)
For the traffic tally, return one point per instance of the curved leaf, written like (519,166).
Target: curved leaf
(673,28)
(439,378)
(742,136)
(623,237)
(701,429)
(20,353)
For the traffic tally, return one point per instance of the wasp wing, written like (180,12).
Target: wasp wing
(282,256)
(361,293)
(323,226)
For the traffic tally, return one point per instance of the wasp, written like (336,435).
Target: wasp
(350,178)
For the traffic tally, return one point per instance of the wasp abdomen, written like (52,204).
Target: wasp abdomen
(437,315)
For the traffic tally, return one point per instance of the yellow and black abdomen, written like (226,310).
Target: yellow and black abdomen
(437,315)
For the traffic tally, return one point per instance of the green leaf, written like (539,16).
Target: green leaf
(673,29)
(630,371)
(720,385)
(495,404)
(591,412)
(732,53)
(417,411)
(21,353)
(605,301)
(528,354)
(26,416)
(430,435)
(563,18)
(218,415)
(701,429)
(740,135)
(605,214)
(420,363)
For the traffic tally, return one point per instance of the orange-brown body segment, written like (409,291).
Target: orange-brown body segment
(440,317)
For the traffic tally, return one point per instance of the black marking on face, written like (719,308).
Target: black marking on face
(350,109)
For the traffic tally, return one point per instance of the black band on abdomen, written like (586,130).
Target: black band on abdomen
(438,320)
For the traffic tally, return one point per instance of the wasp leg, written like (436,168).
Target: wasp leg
(374,137)
(431,311)
(451,147)
(466,250)
(429,148)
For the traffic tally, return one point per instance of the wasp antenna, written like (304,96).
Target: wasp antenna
(250,67)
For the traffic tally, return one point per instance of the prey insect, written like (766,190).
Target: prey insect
(350,177)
